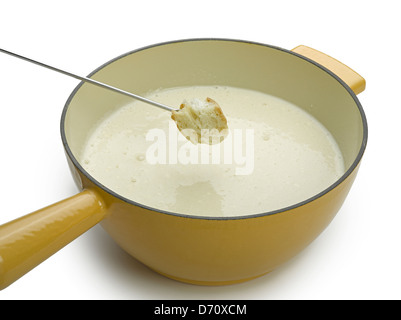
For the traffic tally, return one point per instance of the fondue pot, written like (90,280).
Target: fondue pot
(196,249)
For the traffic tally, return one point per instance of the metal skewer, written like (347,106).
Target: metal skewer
(97,83)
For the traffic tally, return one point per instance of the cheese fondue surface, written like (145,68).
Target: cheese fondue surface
(275,155)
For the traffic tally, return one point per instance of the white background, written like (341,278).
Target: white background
(356,257)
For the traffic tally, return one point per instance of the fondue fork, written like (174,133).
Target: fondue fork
(92,81)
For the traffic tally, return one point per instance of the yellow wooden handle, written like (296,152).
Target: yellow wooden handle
(28,241)
(349,76)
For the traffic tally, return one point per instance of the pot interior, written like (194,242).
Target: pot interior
(219,62)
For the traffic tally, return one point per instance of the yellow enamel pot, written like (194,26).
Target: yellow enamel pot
(198,250)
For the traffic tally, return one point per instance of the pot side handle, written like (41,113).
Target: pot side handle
(349,76)
(29,240)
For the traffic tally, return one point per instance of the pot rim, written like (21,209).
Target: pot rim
(250,216)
